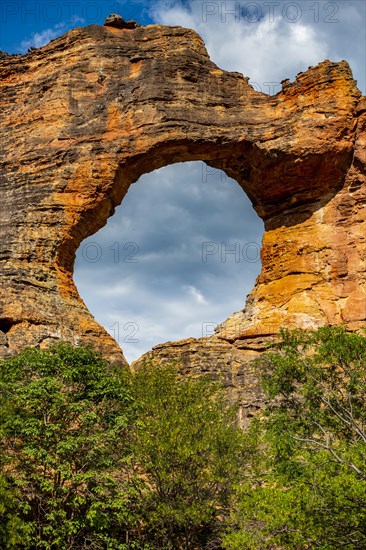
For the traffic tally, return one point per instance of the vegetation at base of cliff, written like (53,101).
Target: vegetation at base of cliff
(65,418)
(94,456)
(307,488)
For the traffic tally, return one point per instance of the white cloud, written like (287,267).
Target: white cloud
(196,294)
(267,51)
(272,47)
(42,38)
(75,19)
(139,317)
(39,39)
(170,293)
(153,319)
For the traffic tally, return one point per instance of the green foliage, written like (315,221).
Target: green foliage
(64,421)
(94,456)
(307,488)
(190,450)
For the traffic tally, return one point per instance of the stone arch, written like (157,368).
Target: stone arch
(90,112)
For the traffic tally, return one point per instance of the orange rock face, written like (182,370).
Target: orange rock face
(85,116)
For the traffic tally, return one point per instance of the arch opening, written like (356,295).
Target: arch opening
(179,255)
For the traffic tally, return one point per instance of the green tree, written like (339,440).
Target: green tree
(95,456)
(65,416)
(190,449)
(307,485)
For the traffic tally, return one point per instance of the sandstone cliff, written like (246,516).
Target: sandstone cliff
(85,116)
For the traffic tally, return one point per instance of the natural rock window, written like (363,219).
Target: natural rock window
(177,258)
(87,115)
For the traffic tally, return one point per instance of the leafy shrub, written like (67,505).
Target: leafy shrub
(94,456)
(307,488)
(191,451)
(65,419)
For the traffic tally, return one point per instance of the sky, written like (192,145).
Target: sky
(182,251)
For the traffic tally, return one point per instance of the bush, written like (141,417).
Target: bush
(307,488)
(191,451)
(65,419)
(94,456)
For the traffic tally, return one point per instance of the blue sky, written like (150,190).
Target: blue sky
(35,22)
(150,275)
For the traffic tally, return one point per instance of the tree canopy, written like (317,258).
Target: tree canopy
(96,456)
(307,488)
(92,455)
(65,418)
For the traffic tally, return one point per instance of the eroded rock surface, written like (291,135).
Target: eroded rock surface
(115,20)
(85,116)
(220,361)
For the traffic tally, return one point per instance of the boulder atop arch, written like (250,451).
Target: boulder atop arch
(85,116)
(115,20)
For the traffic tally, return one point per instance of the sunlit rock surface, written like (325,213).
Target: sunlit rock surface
(85,116)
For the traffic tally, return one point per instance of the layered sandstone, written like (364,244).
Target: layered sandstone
(220,361)
(85,116)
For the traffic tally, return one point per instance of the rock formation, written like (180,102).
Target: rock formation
(85,116)
(115,20)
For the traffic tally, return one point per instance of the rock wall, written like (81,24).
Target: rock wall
(219,360)
(85,116)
